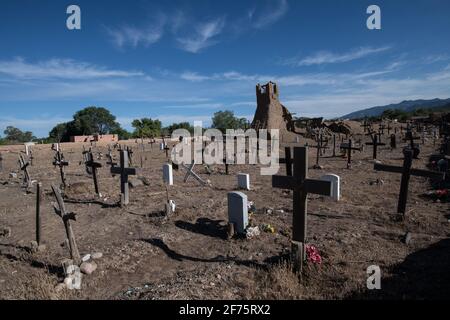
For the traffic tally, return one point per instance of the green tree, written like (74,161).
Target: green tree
(146,128)
(93,120)
(59,133)
(14,134)
(224,120)
(182,125)
(122,133)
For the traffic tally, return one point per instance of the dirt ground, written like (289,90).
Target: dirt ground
(187,255)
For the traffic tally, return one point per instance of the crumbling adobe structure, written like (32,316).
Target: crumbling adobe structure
(270,113)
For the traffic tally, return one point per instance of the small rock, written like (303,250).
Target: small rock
(144,180)
(86,258)
(13,175)
(269,210)
(97,255)
(407,238)
(88,267)
(5,232)
(252,232)
(134,183)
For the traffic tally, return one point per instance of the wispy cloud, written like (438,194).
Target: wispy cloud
(203,37)
(327,57)
(269,13)
(60,69)
(133,36)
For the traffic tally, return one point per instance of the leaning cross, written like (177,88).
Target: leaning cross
(66,217)
(61,163)
(301,186)
(406,172)
(124,170)
(190,172)
(93,166)
(24,167)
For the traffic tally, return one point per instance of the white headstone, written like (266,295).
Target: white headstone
(238,211)
(28,147)
(335,185)
(162,146)
(168,174)
(244,181)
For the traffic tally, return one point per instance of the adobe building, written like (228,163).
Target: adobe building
(96,138)
(270,113)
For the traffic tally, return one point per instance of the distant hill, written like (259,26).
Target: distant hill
(407,106)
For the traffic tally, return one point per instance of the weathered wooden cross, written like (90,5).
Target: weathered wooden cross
(1,162)
(26,174)
(287,160)
(66,217)
(412,146)
(375,145)
(124,170)
(86,159)
(349,149)
(406,172)
(301,186)
(94,166)
(366,125)
(190,172)
(320,147)
(61,163)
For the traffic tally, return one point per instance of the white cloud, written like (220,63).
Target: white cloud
(134,36)
(271,13)
(327,57)
(60,69)
(203,37)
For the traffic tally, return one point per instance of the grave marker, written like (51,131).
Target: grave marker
(190,172)
(238,211)
(336,185)
(301,186)
(243,181)
(61,163)
(375,145)
(168,174)
(406,172)
(349,149)
(26,174)
(66,217)
(124,170)
(94,167)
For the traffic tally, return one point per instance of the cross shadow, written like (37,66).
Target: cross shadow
(52,269)
(422,275)
(93,201)
(205,226)
(268,262)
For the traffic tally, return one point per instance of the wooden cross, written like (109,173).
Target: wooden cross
(190,172)
(287,160)
(110,157)
(66,217)
(26,174)
(412,146)
(86,159)
(61,163)
(375,145)
(124,170)
(130,155)
(407,172)
(319,148)
(1,162)
(31,157)
(301,186)
(381,128)
(366,125)
(349,148)
(393,143)
(39,197)
(389,128)
(94,166)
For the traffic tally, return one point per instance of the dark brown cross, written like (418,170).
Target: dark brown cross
(393,142)
(366,125)
(301,186)
(319,148)
(1,162)
(287,160)
(26,174)
(94,166)
(381,128)
(124,170)
(389,128)
(130,155)
(66,217)
(349,149)
(412,146)
(61,163)
(375,145)
(406,172)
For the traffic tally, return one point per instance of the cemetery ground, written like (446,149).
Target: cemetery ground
(188,256)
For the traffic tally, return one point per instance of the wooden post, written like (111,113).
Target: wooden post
(39,197)
(66,217)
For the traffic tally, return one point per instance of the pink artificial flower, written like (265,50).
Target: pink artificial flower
(313,254)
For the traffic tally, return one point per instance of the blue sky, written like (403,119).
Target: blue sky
(184,60)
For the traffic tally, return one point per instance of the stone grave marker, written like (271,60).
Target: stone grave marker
(238,211)
(336,185)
